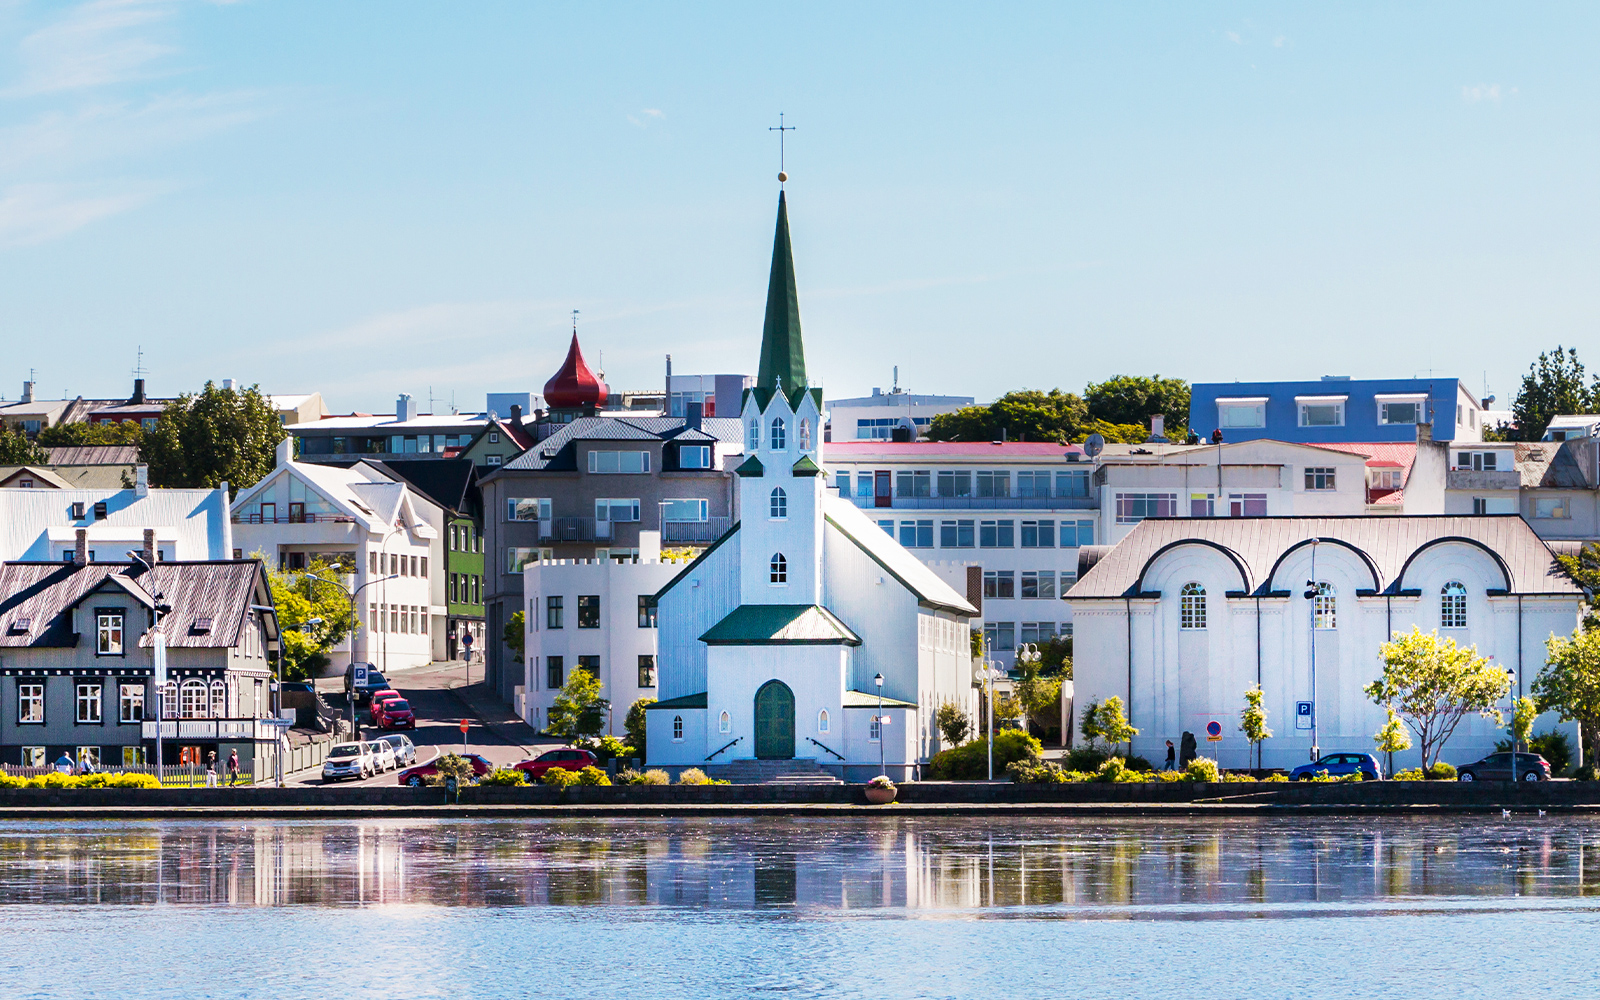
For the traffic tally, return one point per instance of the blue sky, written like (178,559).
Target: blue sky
(369,198)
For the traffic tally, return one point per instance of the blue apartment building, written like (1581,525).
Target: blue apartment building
(1336,409)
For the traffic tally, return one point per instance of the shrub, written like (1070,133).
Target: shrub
(1410,774)
(55,779)
(1236,777)
(1201,769)
(1554,746)
(1140,764)
(970,760)
(1034,772)
(693,776)
(654,776)
(502,776)
(608,748)
(452,765)
(1084,758)
(592,775)
(1440,771)
(1279,776)
(953,723)
(559,777)
(635,726)
(1587,772)
(1116,770)
(1166,777)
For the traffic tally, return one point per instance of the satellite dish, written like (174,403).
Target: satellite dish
(1094,445)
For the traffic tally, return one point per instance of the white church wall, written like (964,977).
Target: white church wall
(665,748)
(708,593)
(899,747)
(880,610)
(815,675)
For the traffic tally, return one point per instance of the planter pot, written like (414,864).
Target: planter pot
(881,796)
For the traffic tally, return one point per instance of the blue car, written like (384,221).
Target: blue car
(1338,765)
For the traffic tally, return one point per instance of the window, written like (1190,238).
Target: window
(193,700)
(1324,412)
(805,434)
(133,756)
(1551,507)
(455,588)
(88,703)
(33,757)
(994,484)
(618,509)
(752,437)
(916,534)
(30,703)
(169,700)
(842,480)
(590,665)
(1478,461)
(823,721)
(1400,411)
(694,456)
(1033,484)
(1241,413)
(1247,505)
(91,755)
(686,509)
(677,729)
(619,462)
(1039,585)
(1385,479)
(108,632)
(588,610)
(956,534)
(1202,505)
(777,439)
(131,699)
(1327,607)
(1083,529)
(1320,478)
(778,505)
(1453,606)
(1135,507)
(1000,584)
(219,700)
(1192,606)
(555,673)
(779,569)
(554,611)
(647,671)
(518,556)
(996,534)
(914,483)
(724,723)
(955,484)
(1039,534)
(647,611)
(1074,483)
(864,484)
(875,732)
(521,509)
(1494,505)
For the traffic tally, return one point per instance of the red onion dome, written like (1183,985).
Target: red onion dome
(575,386)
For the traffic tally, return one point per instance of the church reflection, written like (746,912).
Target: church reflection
(1178,869)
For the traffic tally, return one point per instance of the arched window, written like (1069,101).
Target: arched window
(219,700)
(193,699)
(777,438)
(822,721)
(1453,606)
(875,733)
(1327,609)
(780,568)
(725,723)
(1192,606)
(780,504)
(677,729)
(805,434)
(169,700)
(753,435)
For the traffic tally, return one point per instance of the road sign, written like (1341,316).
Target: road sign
(1302,715)
(463,727)
(466,639)
(1213,731)
(360,675)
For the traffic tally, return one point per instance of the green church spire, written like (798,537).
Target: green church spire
(783,354)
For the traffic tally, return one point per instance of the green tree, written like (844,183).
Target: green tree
(80,434)
(1554,385)
(1134,399)
(16,449)
(1434,684)
(1111,723)
(515,633)
(954,724)
(1392,738)
(1523,712)
(220,435)
(1569,685)
(1584,568)
(1253,720)
(635,726)
(579,710)
(314,616)
(1038,694)
(1023,415)
(1055,657)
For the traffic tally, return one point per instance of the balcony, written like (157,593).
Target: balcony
(706,531)
(1470,479)
(243,730)
(574,529)
(294,519)
(976,503)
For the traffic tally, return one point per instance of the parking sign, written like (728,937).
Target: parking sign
(360,679)
(1302,715)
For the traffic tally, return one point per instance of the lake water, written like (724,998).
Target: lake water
(839,907)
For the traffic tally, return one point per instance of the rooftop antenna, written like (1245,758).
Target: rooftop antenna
(781,128)
(139,370)
(896,379)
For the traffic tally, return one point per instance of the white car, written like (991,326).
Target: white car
(349,760)
(383,756)
(405,752)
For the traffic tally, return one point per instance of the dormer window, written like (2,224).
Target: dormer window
(753,436)
(100,511)
(77,511)
(805,434)
(21,626)
(201,626)
(778,437)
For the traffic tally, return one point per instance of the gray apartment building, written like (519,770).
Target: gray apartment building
(603,487)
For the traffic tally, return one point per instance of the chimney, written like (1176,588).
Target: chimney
(1424,433)
(27,392)
(80,552)
(285,452)
(405,408)
(138,393)
(141,480)
(149,552)
(692,415)
(1158,428)
(230,384)
(516,416)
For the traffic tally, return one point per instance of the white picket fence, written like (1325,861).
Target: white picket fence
(172,776)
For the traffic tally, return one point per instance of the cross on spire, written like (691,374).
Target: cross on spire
(781,128)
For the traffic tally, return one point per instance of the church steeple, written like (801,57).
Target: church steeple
(783,354)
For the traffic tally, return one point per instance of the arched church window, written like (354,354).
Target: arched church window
(677,729)
(822,721)
(1327,608)
(1453,605)
(725,723)
(753,436)
(805,434)
(780,504)
(777,439)
(1192,606)
(780,568)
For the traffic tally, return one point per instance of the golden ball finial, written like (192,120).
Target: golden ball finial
(782,177)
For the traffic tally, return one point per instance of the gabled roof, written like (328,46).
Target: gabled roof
(869,699)
(780,625)
(558,452)
(363,491)
(7,475)
(452,483)
(101,454)
(895,559)
(1552,464)
(518,436)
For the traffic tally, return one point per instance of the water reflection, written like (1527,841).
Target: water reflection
(1079,868)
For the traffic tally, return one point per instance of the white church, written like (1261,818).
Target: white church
(777,642)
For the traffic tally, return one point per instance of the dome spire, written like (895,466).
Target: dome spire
(575,386)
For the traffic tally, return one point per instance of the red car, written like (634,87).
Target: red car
(379,697)
(567,758)
(414,776)
(394,713)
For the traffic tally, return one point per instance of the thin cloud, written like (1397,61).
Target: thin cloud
(650,114)
(93,45)
(1474,93)
(37,213)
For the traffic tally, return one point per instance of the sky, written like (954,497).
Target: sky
(368,198)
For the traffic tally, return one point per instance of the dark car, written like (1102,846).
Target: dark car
(1338,765)
(1497,767)
(394,713)
(566,758)
(375,682)
(414,776)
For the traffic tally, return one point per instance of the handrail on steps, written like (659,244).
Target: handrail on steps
(825,747)
(726,745)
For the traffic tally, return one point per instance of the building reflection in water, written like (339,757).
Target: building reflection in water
(1081,868)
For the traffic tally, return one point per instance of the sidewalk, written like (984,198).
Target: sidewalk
(466,683)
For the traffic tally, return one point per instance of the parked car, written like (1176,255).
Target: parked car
(394,713)
(375,682)
(383,758)
(1497,767)
(1338,765)
(378,698)
(566,758)
(414,776)
(405,752)
(348,760)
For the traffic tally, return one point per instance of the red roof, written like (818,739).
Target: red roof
(1381,454)
(575,385)
(933,449)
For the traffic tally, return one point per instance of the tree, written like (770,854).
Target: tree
(1523,712)
(1569,684)
(636,728)
(1584,568)
(1554,385)
(1253,720)
(1055,657)
(1392,738)
(1134,399)
(1111,723)
(1039,695)
(16,449)
(220,435)
(515,633)
(1434,684)
(80,434)
(954,724)
(1023,415)
(579,710)
(313,617)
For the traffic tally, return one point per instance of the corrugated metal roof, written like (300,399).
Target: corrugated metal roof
(869,699)
(1387,543)
(893,557)
(199,517)
(780,625)
(108,454)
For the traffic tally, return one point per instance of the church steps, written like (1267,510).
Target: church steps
(750,771)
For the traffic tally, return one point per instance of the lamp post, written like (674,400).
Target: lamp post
(986,674)
(882,769)
(1313,594)
(158,647)
(351,595)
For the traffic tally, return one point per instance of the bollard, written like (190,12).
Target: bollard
(611,769)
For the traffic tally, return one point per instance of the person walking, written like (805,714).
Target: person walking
(211,769)
(1172,756)
(64,763)
(233,766)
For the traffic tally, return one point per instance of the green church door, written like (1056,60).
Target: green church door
(774,721)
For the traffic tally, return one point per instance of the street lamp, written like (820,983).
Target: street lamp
(878,680)
(1313,592)
(351,595)
(987,673)
(158,644)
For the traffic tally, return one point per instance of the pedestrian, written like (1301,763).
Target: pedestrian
(85,765)
(64,764)
(1172,756)
(233,766)
(211,769)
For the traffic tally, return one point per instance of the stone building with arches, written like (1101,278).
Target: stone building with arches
(1183,615)
(771,641)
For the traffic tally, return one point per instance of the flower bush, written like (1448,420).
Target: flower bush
(1201,769)
(55,779)
(592,775)
(503,776)
(881,781)
(559,777)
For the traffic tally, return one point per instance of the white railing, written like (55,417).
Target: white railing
(204,729)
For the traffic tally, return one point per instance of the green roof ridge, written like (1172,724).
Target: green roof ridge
(783,355)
